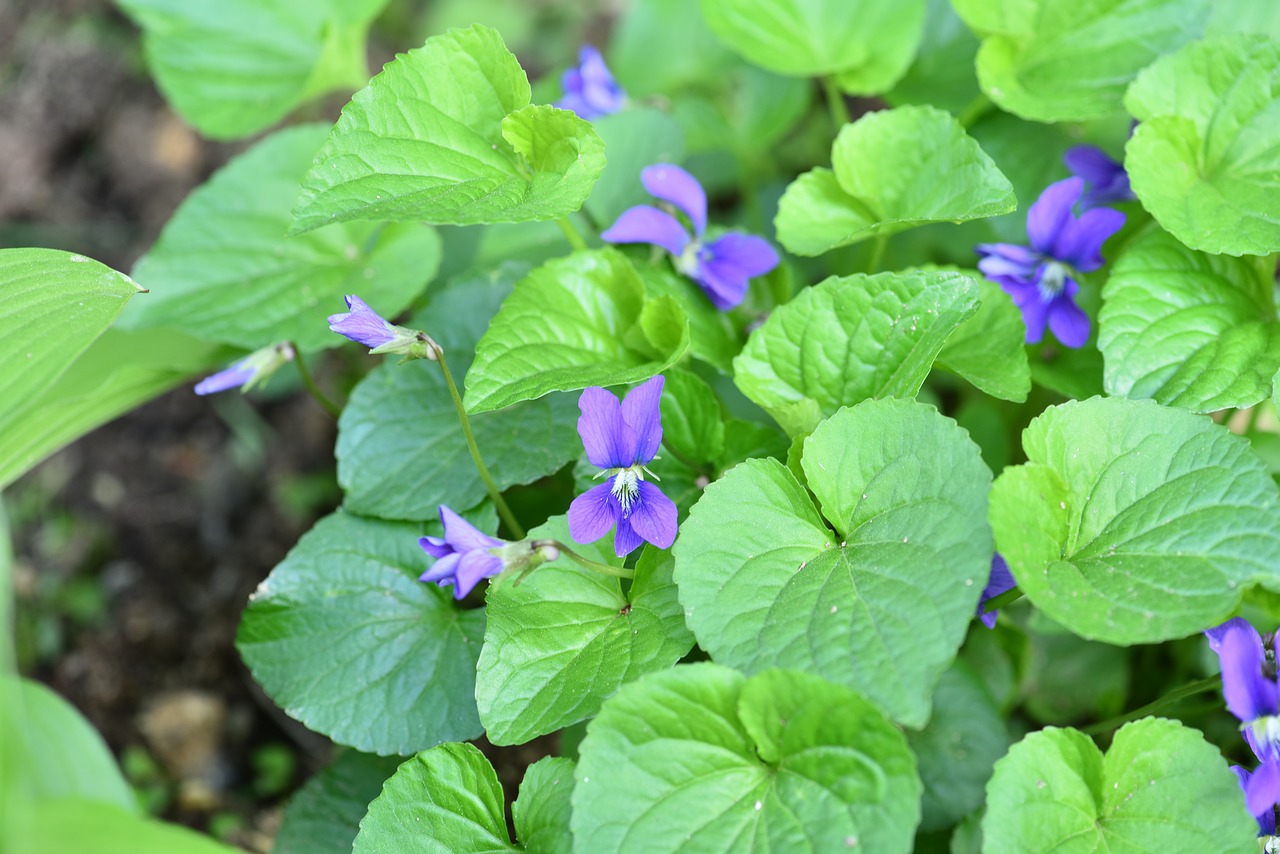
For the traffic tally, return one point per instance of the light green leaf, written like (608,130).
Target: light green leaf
(574,322)
(235,67)
(703,758)
(401,451)
(324,815)
(851,338)
(403,676)
(893,170)
(446,135)
(633,139)
(541,812)
(564,640)
(1055,791)
(765,583)
(987,349)
(1063,60)
(442,801)
(61,825)
(224,270)
(661,46)
(1205,159)
(1245,16)
(1187,329)
(55,304)
(1135,523)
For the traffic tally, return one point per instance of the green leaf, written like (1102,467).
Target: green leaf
(61,825)
(401,451)
(987,349)
(703,758)
(1245,16)
(235,67)
(924,168)
(1205,160)
(574,322)
(58,753)
(224,270)
(119,371)
(1135,523)
(851,338)
(942,73)
(563,641)
(55,304)
(403,675)
(324,815)
(1062,60)
(541,812)
(765,583)
(633,139)
(662,46)
(1187,329)
(442,801)
(958,748)
(714,336)
(446,135)
(691,422)
(1056,791)
(810,38)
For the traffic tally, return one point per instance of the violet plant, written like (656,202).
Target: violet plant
(892,352)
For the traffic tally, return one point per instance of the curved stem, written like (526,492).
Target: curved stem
(835,103)
(1174,696)
(495,494)
(974,110)
(995,603)
(321,398)
(594,566)
(877,253)
(571,234)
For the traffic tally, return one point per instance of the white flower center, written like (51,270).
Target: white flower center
(626,487)
(1053,279)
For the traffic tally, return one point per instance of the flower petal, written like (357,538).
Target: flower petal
(1249,694)
(1068,321)
(474,566)
(1079,242)
(1051,212)
(625,539)
(647,224)
(1235,624)
(1035,311)
(641,410)
(462,535)
(1006,259)
(1000,580)
(1262,793)
(599,90)
(435,546)
(442,571)
(593,513)
(609,441)
(361,324)
(232,377)
(1091,163)
(654,516)
(672,184)
(727,264)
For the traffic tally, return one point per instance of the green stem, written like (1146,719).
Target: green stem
(494,493)
(594,566)
(309,381)
(974,110)
(571,234)
(1178,694)
(995,603)
(835,103)
(877,252)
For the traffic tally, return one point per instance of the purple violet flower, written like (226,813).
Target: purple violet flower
(1249,684)
(620,438)
(362,324)
(1106,179)
(589,89)
(999,581)
(247,372)
(463,556)
(1261,794)
(722,267)
(1041,278)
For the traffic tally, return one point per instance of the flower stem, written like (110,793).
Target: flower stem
(494,493)
(877,253)
(309,381)
(974,110)
(571,234)
(594,566)
(995,603)
(835,103)
(1174,696)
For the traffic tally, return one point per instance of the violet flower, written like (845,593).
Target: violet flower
(249,371)
(589,89)
(999,581)
(1041,278)
(621,438)
(463,556)
(362,324)
(722,267)
(1106,180)
(1261,794)
(1249,684)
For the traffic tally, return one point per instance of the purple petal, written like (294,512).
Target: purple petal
(593,513)
(1091,163)
(1262,793)
(474,566)
(672,184)
(1264,751)
(647,224)
(361,324)
(1079,242)
(460,533)
(625,539)
(232,377)
(1035,311)
(1249,694)
(642,412)
(1068,321)
(653,516)
(1235,624)
(609,441)
(435,546)
(1006,259)
(726,266)
(1051,212)
(1000,580)
(599,90)
(442,571)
